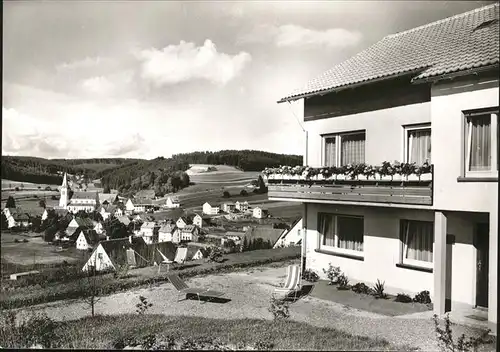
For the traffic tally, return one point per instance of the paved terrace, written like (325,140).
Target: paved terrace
(249,292)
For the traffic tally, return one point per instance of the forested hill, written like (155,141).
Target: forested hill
(40,170)
(247,160)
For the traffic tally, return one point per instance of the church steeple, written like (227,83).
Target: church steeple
(63,200)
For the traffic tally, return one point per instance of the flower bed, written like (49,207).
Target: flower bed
(387,172)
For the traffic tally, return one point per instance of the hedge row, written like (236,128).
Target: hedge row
(108,284)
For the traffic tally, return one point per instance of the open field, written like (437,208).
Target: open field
(8,184)
(36,251)
(30,204)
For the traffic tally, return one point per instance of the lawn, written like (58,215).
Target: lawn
(153,331)
(54,291)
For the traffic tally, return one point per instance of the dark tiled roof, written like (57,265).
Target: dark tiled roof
(84,195)
(85,222)
(167,228)
(191,251)
(124,220)
(459,43)
(265,233)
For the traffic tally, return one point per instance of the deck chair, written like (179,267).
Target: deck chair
(184,289)
(292,283)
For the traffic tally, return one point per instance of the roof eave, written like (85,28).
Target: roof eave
(456,74)
(353,85)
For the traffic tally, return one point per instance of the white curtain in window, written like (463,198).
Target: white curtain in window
(350,233)
(353,149)
(419,146)
(326,227)
(418,238)
(330,152)
(479,142)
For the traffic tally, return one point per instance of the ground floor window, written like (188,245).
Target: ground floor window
(417,242)
(341,232)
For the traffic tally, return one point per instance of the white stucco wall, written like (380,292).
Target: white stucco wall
(382,251)
(447,138)
(384,131)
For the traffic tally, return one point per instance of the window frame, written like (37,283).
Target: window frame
(403,247)
(410,128)
(338,142)
(467,140)
(335,248)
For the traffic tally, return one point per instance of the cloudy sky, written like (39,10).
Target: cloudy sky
(147,79)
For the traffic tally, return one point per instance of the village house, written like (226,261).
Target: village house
(228,207)
(241,206)
(292,237)
(83,223)
(149,231)
(172,202)
(107,198)
(166,233)
(195,252)
(436,85)
(129,207)
(123,219)
(188,234)
(183,221)
(260,213)
(87,239)
(142,205)
(132,252)
(210,209)
(16,218)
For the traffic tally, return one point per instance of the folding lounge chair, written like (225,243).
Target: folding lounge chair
(292,283)
(184,289)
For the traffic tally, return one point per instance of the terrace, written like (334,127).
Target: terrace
(398,183)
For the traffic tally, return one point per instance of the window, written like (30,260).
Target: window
(417,242)
(345,148)
(341,232)
(418,144)
(481,140)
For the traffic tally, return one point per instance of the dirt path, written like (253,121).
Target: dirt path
(249,294)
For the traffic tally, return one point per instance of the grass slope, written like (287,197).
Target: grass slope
(107,332)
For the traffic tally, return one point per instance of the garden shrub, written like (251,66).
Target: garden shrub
(378,290)
(403,298)
(343,282)
(310,276)
(361,288)
(143,305)
(332,273)
(422,297)
(463,343)
(35,329)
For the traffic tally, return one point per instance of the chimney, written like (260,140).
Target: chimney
(130,238)
(107,238)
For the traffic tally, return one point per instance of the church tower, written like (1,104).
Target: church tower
(63,200)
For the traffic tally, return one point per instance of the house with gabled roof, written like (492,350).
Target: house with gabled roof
(132,252)
(166,233)
(196,252)
(428,98)
(210,209)
(87,239)
(172,202)
(107,198)
(291,237)
(183,221)
(260,213)
(228,207)
(149,231)
(241,206)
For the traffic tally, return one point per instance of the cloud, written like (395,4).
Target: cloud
(126,146)
(291,35)
(88,62)
(185,62)
(98,85)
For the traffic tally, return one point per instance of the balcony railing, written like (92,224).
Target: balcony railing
(396,189)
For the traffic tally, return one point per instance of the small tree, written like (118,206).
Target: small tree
(11,203)
(50,233)
(107,189)
(41,203)
(243,193)
(4,222)
(245,245)
(143,305)
(91,288)
(226,194)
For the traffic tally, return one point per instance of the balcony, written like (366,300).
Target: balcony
(408,189)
